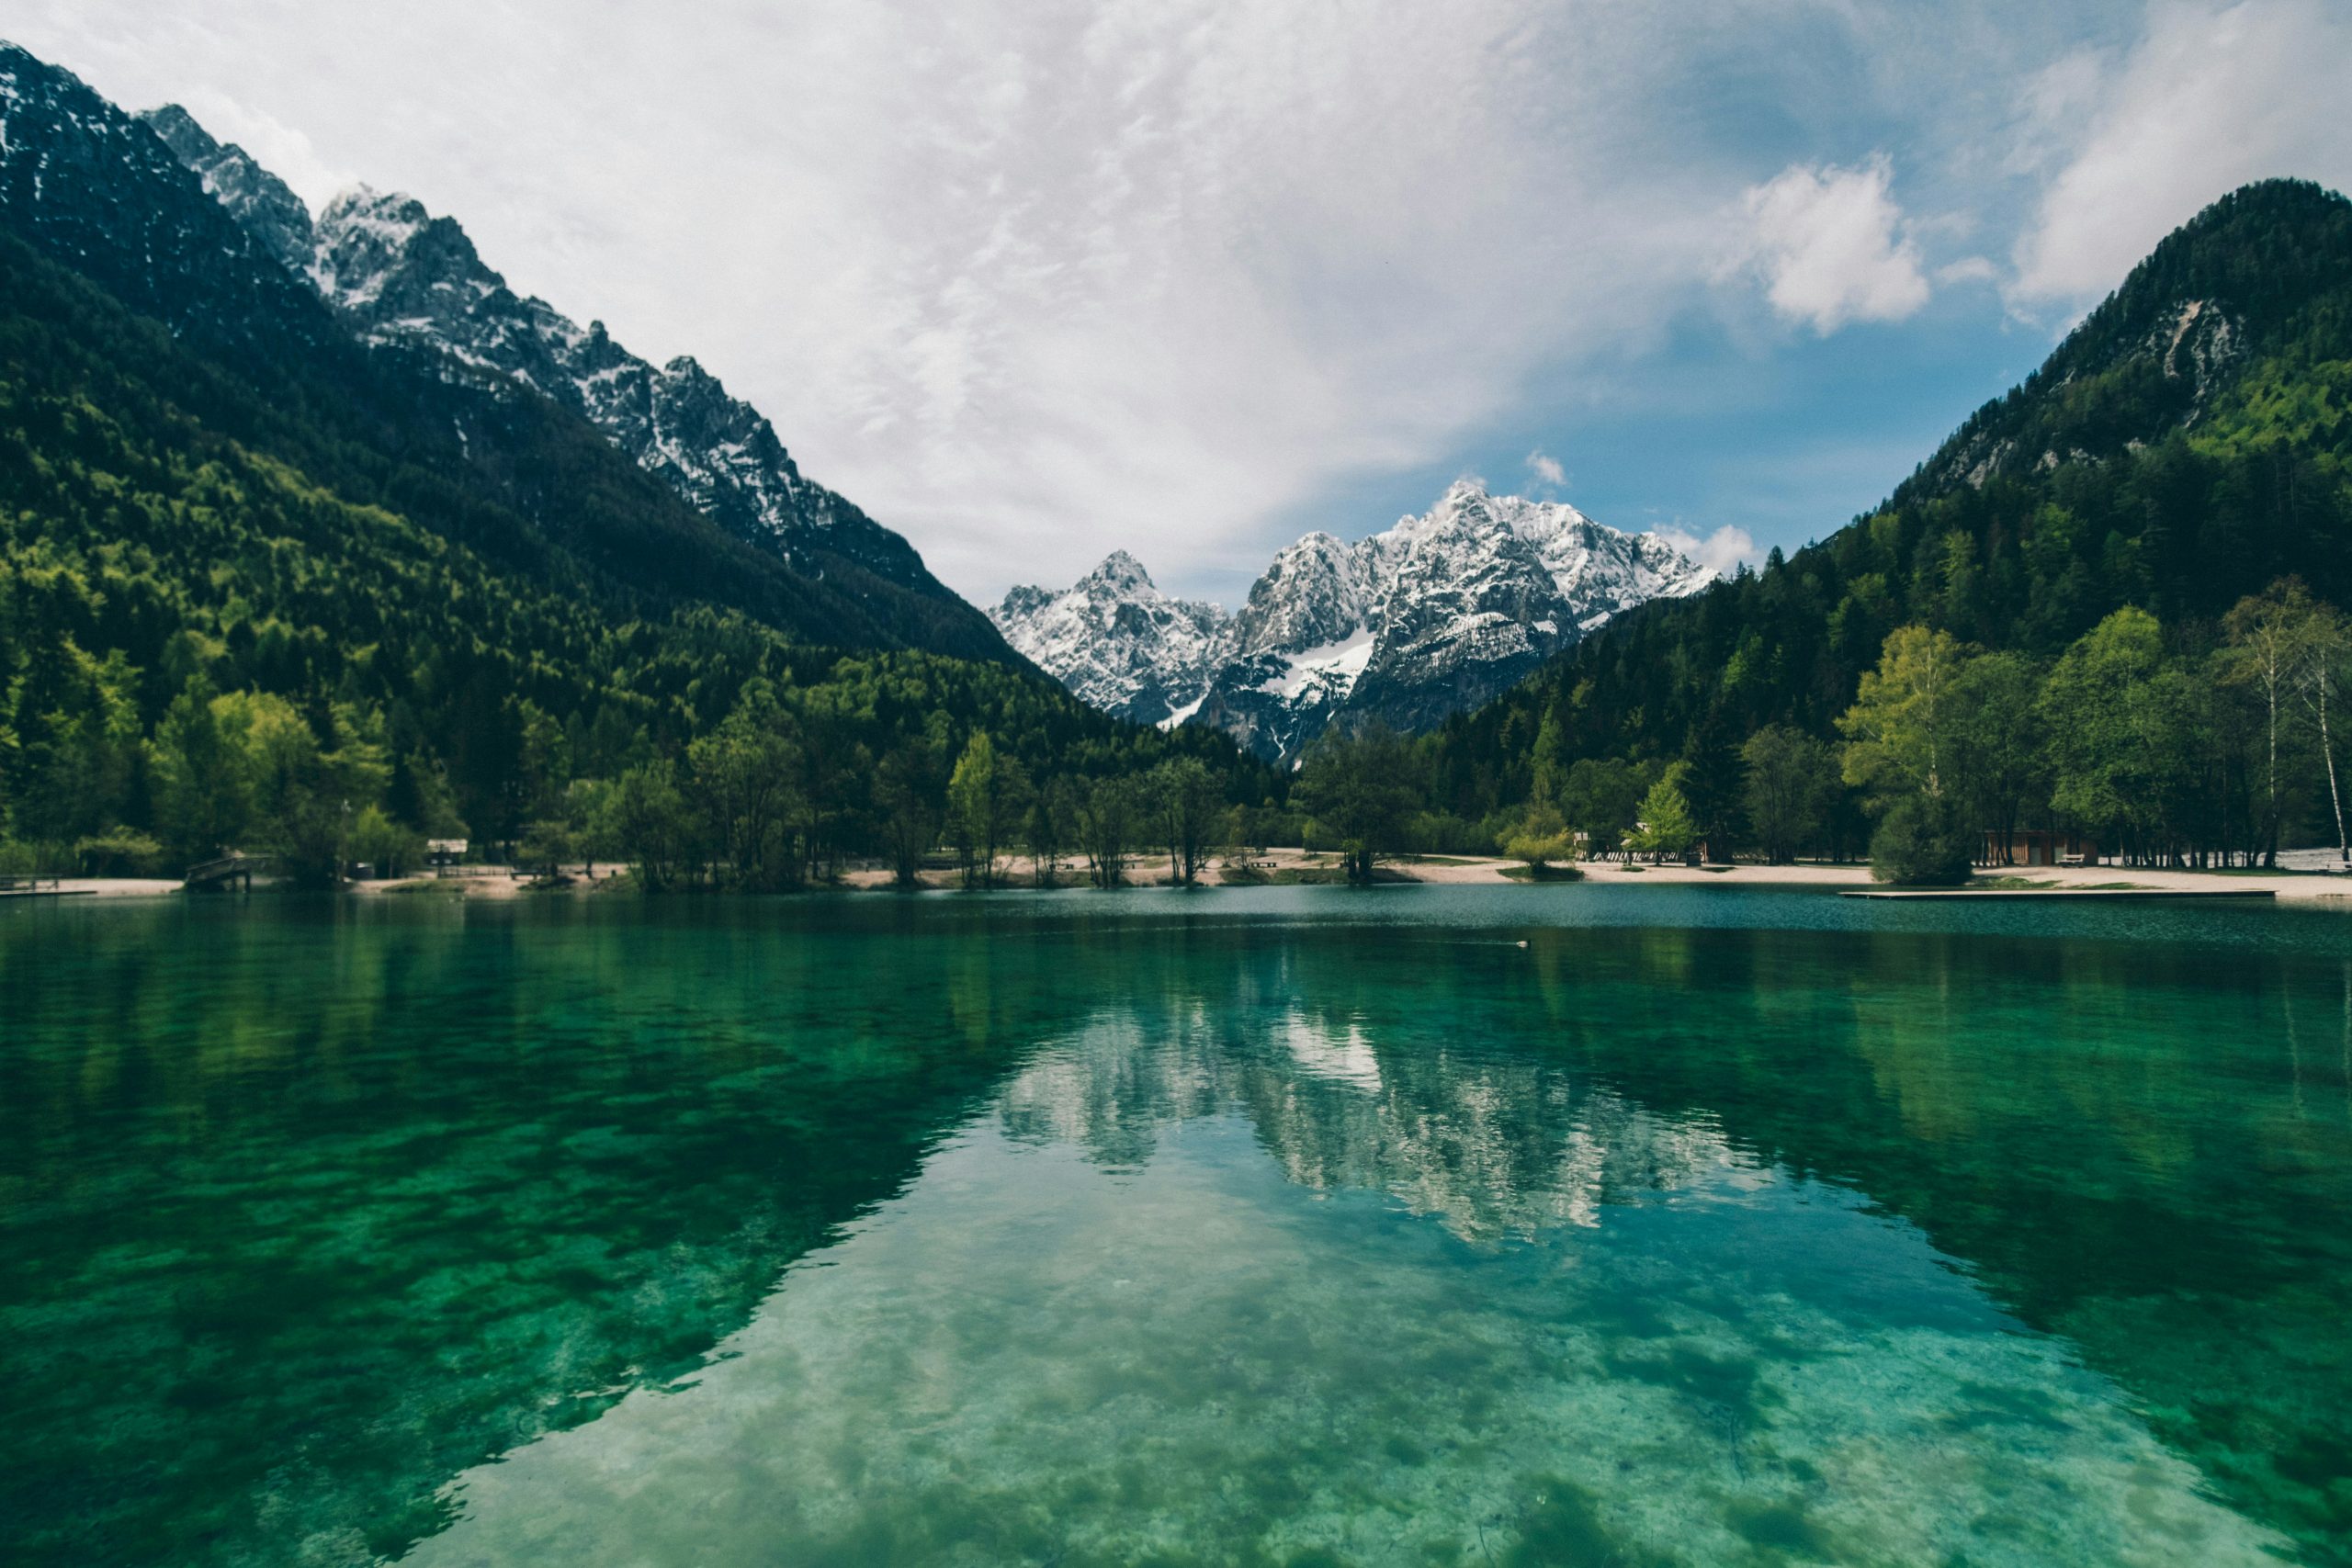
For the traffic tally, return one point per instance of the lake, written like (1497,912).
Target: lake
(1286,1226)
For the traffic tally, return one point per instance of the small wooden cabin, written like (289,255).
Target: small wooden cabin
(2040,846)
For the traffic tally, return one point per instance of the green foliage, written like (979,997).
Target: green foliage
(1898,731)
(386,847)
(2123,724)
(119,852)
(1362,790)
(1540,840)
(2163,753)
(1109,812)
(1046,827)
(1922,842)
(2000,747)
(1187,804)
(1792,784)
(987,795)
(1602,798)
(912,781)
(651,820)
(1666,826)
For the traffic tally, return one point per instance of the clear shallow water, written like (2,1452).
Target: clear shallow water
(1290,1226)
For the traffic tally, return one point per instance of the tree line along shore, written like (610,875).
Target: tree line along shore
(1948,756)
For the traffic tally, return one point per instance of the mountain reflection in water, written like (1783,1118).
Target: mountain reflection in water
(1208,1290)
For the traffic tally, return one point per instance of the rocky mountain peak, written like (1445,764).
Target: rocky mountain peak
(1116,641)
(381,252)
(1311,594)
(1121,572)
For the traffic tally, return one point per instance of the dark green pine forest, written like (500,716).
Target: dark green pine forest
(2104,605)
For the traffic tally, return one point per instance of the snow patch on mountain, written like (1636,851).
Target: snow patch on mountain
(1332,667)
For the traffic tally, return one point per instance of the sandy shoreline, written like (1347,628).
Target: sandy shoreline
(1284,865)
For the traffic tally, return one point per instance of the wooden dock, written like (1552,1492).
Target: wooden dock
(39,887)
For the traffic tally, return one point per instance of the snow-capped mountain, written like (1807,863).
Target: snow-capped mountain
(400,275)
(1432,615)
(1116,641)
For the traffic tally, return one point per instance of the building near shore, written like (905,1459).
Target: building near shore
(2038,846)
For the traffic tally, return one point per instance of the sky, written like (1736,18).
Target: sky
(1032,281)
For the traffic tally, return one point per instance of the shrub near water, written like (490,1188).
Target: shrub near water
(1921,843)
(1542,841)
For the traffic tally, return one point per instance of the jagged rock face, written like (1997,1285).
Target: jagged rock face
(1468,608)
(1438,614)
(2192,344)
(406,276)
(257,199)
(2201,343)
(1128,649)
(400,275)
(1312,593)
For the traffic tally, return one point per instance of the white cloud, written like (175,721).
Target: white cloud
(1721,552)
(1830,245)
(1547,469)
(2205,100)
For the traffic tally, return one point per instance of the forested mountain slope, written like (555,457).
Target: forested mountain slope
(397,275)
(260,581)
(2186,446)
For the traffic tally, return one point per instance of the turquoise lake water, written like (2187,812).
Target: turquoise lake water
(1286,1226)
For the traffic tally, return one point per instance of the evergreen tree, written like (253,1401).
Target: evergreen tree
(1666,828)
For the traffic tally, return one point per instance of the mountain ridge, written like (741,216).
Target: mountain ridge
(402,276)
(473,454)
